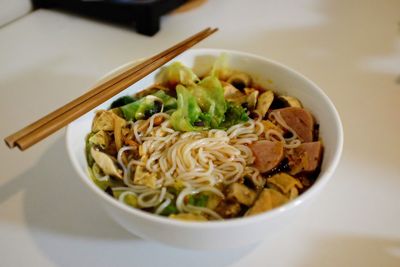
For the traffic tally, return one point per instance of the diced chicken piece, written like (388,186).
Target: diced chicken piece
(188,217)
(240,80)
(143,177)
(291,101)
(100,139)
(107,120)
(232,94)
(300,120)
(213,200)
(241,194)
(228,209)
(305,157)
(119,123)
(284,182)
(264,102)
(106,163)
(267,154)
(267,200)
(251,99)
(104,120)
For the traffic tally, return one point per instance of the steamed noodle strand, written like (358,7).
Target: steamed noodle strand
(196,161)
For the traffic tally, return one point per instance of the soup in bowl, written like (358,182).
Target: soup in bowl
(214,150)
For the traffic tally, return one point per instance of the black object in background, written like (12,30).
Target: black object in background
(143,14)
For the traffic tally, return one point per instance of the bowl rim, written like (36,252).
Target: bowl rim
(234,222)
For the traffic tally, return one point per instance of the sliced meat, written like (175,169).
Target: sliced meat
(268,154)
(300,120)
(305,157)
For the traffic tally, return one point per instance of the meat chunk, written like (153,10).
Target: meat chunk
(143,177)
(300,120)
(233,94)
(268,154)
(100,139)
(264,102)
(241,194)
(305,157)
(267,200)
(283,182)
(106,163)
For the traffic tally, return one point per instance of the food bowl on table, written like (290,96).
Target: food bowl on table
(227,233)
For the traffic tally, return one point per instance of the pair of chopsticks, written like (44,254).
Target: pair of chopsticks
(59,118)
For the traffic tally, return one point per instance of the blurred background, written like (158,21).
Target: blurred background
(53,51)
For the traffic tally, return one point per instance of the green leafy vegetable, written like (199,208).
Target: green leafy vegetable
(122,101)
(234,114)
(188,111)
(199,200)
(168,101)
(209,94)
(177,73)
(170,209)
(200,106)
(141,108)
(148,105)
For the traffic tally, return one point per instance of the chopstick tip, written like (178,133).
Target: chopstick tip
(214,29)
(9,142)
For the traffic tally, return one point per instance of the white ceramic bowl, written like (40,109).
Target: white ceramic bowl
(234,232)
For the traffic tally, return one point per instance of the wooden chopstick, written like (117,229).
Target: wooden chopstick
(11,140)
(59,118)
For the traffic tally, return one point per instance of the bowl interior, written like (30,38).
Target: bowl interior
(267,73)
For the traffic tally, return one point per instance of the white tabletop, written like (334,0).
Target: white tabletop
(350,48)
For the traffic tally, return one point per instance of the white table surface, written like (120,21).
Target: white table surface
(350,48)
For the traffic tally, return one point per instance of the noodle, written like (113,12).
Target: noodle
(193,156)
(197,159)
(163,206)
